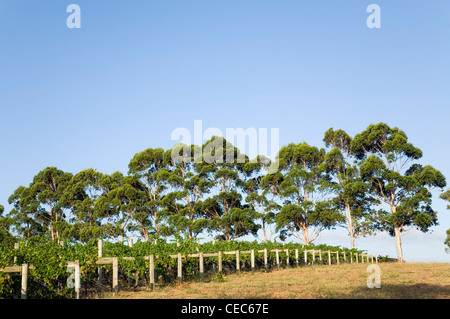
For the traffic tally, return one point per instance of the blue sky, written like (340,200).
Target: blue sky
(136,70)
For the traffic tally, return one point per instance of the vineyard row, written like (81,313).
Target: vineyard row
(159,264)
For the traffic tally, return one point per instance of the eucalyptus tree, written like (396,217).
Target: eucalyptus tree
(26,222)
(396,179)
(222,165)
(92,215)
(259,195)
(350,190)
(6,237)
(446,196)
(127,206)
(187,191)
(149,167)
(305,191)
(39,208)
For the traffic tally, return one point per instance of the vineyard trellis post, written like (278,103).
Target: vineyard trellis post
(266,268)
(253,260)
(152,271)
(16,247)
(99,269)
(238,269)
(202,275)
(329,257)
(23,291)
(287,256)
(77,279)
(219,260)
(180,268)
(277,257)
(115,263)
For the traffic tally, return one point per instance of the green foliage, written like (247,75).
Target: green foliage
(304,189)
(213,189)
(388,166)
(350,190)
(446,196)
(50,276)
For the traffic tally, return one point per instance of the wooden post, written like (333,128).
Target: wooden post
(351,258)
(320,255)
(77,279)
(266,268)
(296,257)
(238,269)
(23,291)
(345,259)
(376,259)
(329,257)
(287,256)
(130,244)
(306,257)
(99,269)
(115,263)
(356,256)
(100,248)
(202,274)
(152,272)
(220,261)
(313,256)
(180,268)
(337,257)
(277,258)
(253,260)
(16,247)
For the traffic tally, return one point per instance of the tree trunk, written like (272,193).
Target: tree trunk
(306,236)
(398,242)
(350,227)
(265,235)
(51,230)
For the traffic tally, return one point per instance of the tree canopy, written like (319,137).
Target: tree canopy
(368,183)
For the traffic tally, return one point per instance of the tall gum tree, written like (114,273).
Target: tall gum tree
(188,189)
(350,190)
(86,198)
(6,237)
(389,165)
(39,207)
(305,192)
(446,196)
(222,164)
(149,167)
(259,194)
(127,200)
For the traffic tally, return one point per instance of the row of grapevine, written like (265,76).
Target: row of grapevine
(50,276)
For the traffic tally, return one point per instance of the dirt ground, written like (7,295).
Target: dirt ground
(399,281)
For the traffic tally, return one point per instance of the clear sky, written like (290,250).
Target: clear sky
(136,70)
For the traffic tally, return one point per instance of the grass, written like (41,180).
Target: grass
(398,281)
